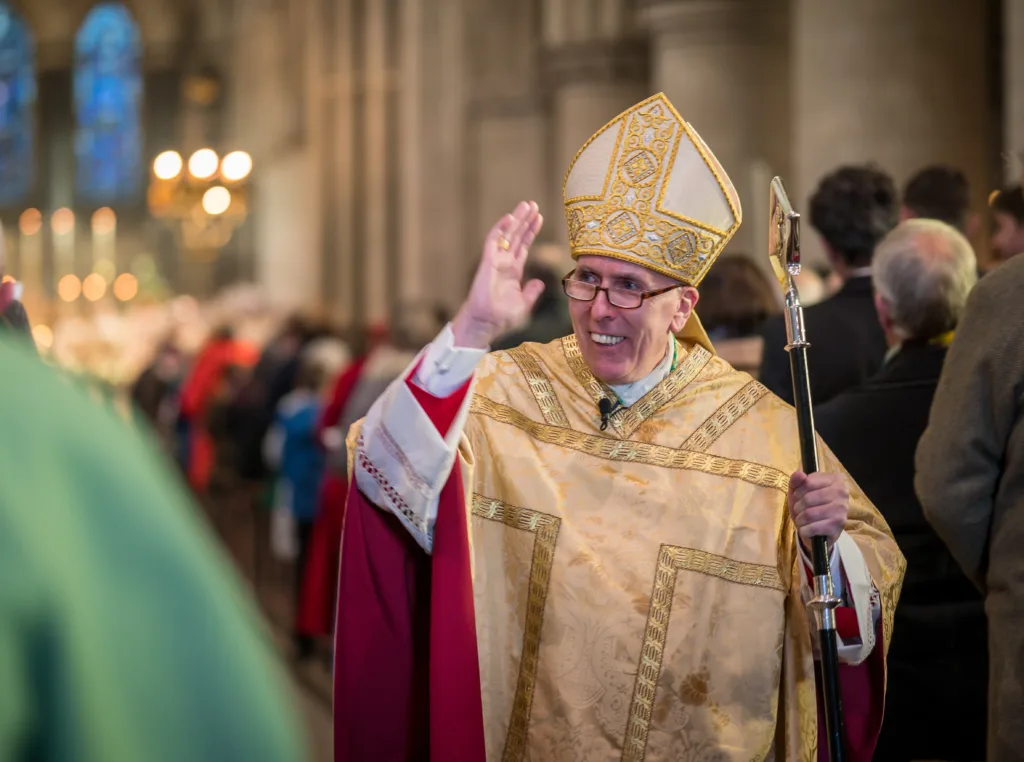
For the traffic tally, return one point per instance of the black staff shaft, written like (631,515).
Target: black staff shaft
(829,665)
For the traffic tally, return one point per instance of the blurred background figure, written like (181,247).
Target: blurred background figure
(293,451)
(923,272)
(13,317)
(851,209)
(202,387)
(272,378)
(1007,208)
(155,390)
(316,615)
(940,193)
(814,286)
(736,298)
(970,480)
(124,636)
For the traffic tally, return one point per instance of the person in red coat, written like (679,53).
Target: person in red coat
(200,389)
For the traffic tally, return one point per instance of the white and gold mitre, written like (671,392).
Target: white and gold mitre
(646,189)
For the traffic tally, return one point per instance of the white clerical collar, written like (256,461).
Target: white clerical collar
(630,393)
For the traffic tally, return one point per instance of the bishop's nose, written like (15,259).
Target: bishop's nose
(601,308)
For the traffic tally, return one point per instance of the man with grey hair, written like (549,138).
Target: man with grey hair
(923,272)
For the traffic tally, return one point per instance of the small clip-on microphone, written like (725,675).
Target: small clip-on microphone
(606,408)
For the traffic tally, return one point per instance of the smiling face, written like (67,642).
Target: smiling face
(621,346)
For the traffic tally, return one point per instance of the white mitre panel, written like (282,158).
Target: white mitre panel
(694,192)
(590,169)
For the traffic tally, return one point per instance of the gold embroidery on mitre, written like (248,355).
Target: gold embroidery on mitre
(620,200)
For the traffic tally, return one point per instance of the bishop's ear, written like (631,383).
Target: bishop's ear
(688,297)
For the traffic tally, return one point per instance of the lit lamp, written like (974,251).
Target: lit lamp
(167,165)
(236,166)
(204,199)
(203,164)
(216,200)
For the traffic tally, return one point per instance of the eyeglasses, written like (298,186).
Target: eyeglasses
(622,298)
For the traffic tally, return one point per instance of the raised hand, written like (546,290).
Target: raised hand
(498,300)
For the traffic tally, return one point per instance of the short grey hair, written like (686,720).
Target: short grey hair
(924,269)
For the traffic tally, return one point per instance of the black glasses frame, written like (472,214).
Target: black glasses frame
(644,295)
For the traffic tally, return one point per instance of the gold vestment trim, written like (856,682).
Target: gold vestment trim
(633,452)
(540,386)
(628,420)
(892,583)
(545,529)
(671,560)
(719,421)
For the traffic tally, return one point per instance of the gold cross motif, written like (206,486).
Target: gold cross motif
(640,167)
(621,228)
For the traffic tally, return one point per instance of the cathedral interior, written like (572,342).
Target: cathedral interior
(386,135)
(346,157)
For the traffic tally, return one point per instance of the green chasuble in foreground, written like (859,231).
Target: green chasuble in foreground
(124,634)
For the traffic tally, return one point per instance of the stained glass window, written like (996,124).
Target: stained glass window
(108,97)
(17,106)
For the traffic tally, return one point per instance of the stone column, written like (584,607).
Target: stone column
(508,120)
(264,102)
(1013,89)
(375,147)
(409,286)
(437,151)
(902,84)
(596,66)
(724,65)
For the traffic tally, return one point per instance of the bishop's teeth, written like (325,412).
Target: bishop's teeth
(601,338)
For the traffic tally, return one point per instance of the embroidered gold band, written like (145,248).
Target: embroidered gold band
(540,385)
(629,420)
(671,560)
(724,417)
(545,528)
(632,452)
(892,583)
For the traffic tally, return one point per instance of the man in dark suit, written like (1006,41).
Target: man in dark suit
(938,192)
(935,705)
(852,209)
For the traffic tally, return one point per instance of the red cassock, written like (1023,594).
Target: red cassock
(406,675)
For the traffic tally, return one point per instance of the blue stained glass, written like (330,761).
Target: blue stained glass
(17,106)
(108,97)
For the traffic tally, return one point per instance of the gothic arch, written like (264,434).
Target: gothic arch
(30,11)
(159,23)
(56,22)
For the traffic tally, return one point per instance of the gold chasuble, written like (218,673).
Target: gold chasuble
(638,590)
(633,593)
